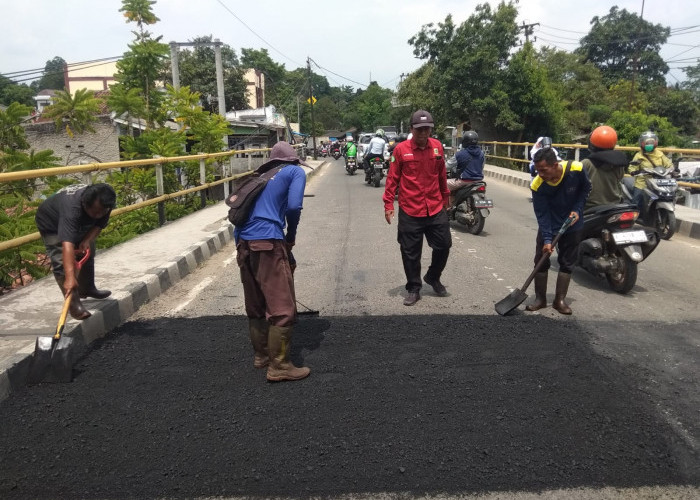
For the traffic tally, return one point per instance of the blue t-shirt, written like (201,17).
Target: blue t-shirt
(554,202)
(280,201)
(470,163)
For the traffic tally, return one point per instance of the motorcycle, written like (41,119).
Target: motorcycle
(470,207)
(376,171)
(350,165)
(336,153)
(659,206)
(323,151)
(614,244)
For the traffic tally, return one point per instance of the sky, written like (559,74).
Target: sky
(352,41)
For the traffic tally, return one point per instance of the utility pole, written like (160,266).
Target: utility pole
(175,66)
(528,28)
(630,102)
(311,101)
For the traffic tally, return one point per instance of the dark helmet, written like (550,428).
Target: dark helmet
(403,136)
(602,138)
(648,141)
(469,138)
(546,142)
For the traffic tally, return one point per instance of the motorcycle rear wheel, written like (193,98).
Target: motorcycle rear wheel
(666,224)
(377,180)
(479,220)
(624,280)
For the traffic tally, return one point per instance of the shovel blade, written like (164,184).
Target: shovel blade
(52,361)
(512,301)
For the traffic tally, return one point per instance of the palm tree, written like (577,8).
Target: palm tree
(126,102)
(76,112)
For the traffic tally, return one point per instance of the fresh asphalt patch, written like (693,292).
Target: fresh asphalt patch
(430,404)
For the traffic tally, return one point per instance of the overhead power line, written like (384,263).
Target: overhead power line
(254,33)
(336,74)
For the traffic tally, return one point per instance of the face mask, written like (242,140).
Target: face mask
(648,148)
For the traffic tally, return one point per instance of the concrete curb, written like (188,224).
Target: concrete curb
(108,314)
(688,223)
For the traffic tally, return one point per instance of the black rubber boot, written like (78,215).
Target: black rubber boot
(540,292)
(563,280)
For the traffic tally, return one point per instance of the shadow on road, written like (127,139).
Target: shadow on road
(422,404)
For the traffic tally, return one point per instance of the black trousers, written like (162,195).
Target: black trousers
(411,230)
(567,251)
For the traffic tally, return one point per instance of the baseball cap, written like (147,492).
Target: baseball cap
(422,118)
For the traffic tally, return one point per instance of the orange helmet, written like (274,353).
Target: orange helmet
(602,138)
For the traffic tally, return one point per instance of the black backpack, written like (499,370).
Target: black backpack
(242,199)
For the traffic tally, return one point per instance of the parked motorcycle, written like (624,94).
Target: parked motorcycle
(614,244)
(470,207)
(659,205)
(376,171)
(350,165)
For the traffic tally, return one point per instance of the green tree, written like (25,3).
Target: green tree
(579,89)
(373,106)
(75,113)
(145,62)
(53,77)
(12,135)
(678,106)
(629,126)
(622,44)
(197,71)
(128,103)
(12,92)
(532,106)
(468,60)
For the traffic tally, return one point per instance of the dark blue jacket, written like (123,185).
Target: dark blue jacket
(470,163)
(554,202)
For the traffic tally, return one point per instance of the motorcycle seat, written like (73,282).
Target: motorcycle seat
(602,209)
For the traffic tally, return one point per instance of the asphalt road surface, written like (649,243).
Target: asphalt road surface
(445,399)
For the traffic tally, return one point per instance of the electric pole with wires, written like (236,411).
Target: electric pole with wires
(311,101)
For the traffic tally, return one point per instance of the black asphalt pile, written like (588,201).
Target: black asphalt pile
(420,404)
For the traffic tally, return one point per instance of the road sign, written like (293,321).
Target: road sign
(311,100)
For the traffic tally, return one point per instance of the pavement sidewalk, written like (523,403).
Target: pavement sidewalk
(135,271)
(688,219)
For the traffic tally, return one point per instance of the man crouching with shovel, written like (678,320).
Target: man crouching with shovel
(69,222)
(558,192)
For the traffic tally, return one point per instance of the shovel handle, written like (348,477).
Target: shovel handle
(62,318)
(66,302)
(546,256)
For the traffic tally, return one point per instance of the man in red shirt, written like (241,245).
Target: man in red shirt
(418,171)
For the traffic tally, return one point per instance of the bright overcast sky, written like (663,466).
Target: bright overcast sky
(354,39)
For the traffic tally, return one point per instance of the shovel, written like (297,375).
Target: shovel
(53,360)
(308,311)
(518,296)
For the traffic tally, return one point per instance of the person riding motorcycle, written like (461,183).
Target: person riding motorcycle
(375,149)
(470,163)
(649,157)
(350,148)
(399,139)
(605,168)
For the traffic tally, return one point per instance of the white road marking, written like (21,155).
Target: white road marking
(192,294)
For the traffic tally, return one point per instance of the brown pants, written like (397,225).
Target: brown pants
(268,285)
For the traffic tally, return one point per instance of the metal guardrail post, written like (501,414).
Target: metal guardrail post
(160,191)
(227,171)
(509,148)
(250,162)
(203,180)
(577,154)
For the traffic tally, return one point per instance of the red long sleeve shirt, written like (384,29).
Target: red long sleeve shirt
(420,176)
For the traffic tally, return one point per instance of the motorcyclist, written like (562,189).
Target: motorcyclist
(605,167)
(649,157)
(470,163)
(350,148)
(375,149)
(399,139)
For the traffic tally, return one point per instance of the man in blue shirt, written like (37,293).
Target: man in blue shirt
(558,192)
(263,258)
